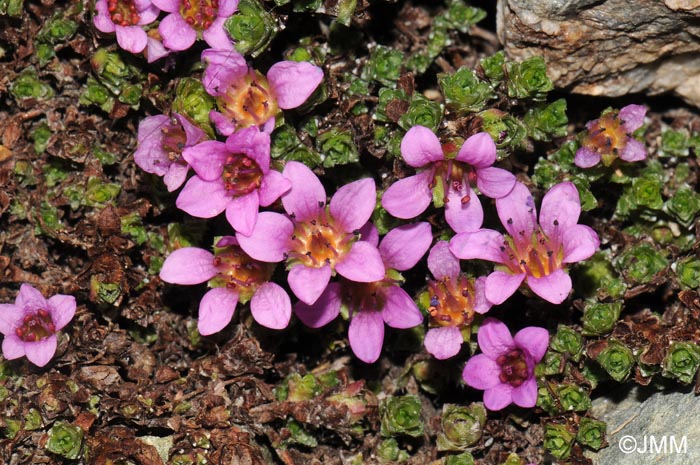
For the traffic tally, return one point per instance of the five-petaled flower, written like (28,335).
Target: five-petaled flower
(532,252)
(609,137)
(373,304)
(234,176)
(31,323)
(234,277)
(161,142)
(450,176)
(244,97)
(505,369)
(317,241)
(454,300)
(126,18)
(189,18)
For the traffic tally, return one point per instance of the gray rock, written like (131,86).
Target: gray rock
(647,426)
(609,47)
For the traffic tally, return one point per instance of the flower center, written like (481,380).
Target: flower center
(123,12)
(36,327)
(237,271)
(452,174)
(318,242)
(199,13)
(537,258)
(174,140)
(513,368)
(452,301)
(249,101)
(606,136)
(241,175)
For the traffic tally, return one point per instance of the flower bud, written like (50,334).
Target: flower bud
(65,440)
(600,318)
(401,415)
(682,361)
(461,426)
(591,433)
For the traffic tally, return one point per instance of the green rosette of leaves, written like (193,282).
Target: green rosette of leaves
(461,426)
(400,415)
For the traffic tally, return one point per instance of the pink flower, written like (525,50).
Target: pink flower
(189,18)
(161,142)
(373,304)
(234,277)
(454,300)
(246,98)
(610,137)
(505,369)
(31,323)
(234,176)
(451,175)
(125,17)
(532,252)
(314,240)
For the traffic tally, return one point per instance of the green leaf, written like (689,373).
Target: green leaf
(252,28)
(464,92)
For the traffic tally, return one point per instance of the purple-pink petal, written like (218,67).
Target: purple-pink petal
(176,33)
(533,340)
(10,316)
(400,311)
(269,241)
(481,303)
(149,131)
(252,143)
(30,299)
(366,335)
(369,233)
(308,283)
(215,35)
(155,50)
(518,213)
(498,397)
(41,351)
(441,261)
(203,199)
(495,182)
(463,216)
(560,210)
(404,246)
(586,157)
(525,395)
(175,176)
(362,264)
(352,205)
(481,372)
(293,82)
(188,265)
(271,307)
(227,7)
(421,146)
(323,311)
(223,66)
(580,242)
(216,310)
(410,196)
(193,133)
(242,213)
(633,151)
(307,197)
(62,309)
(272,187)
(444,342)
(554,287)
(224,126)
(479,151)
(484,244)
(12,347)
(501,285)
(494,338)
(632,117)
(131,38)
(102,20)
(207,159)
(169,6)
(147,12)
